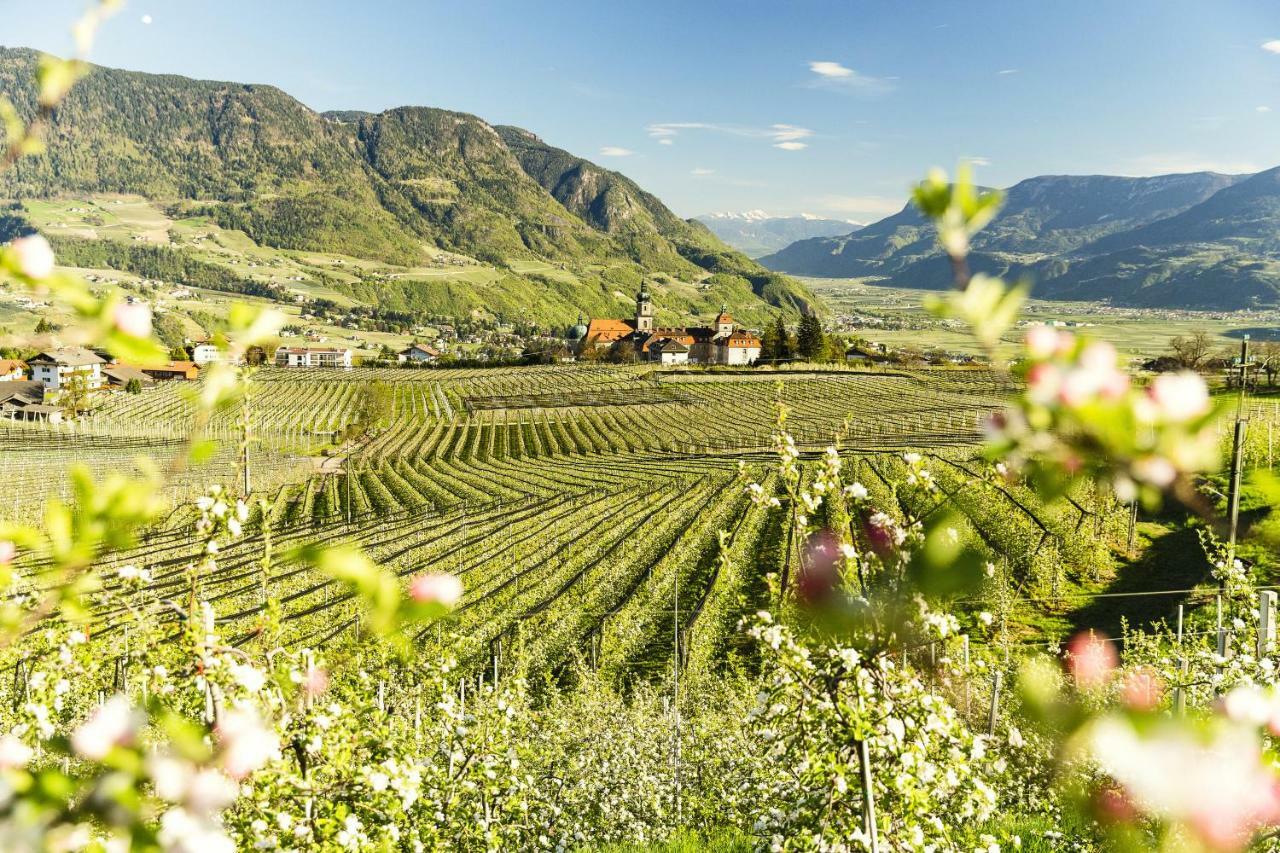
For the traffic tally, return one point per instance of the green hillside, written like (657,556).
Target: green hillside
(406,188)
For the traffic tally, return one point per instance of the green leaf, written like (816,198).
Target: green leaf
(55,77)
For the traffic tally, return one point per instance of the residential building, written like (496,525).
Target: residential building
(173,370)
(418,354)
(313,357)
(55,368)
(205,353)
(24,400)
(670,351)
(12,370)
(119,375)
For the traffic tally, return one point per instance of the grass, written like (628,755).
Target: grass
(720,841)
(1135,332)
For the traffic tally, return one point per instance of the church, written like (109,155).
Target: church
(722,343)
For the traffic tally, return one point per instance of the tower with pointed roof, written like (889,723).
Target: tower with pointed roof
(644,309)
(724,323)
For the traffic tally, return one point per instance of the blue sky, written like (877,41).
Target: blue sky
(830,108)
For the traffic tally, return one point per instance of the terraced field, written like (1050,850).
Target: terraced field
(581,506)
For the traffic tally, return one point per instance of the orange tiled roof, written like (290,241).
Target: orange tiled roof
(659,335)
(607,331)
(741,339)
(8,365)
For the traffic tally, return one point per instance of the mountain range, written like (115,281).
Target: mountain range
(756,233)
(1199,240)
(398,187)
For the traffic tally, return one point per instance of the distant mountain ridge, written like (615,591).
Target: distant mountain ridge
(395,186)
(1197,240)
(756,233)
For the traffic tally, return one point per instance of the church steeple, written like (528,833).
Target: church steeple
(724,322)
(644,309)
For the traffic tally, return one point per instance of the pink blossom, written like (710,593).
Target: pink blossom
(209,791)
(1079,386)
(34,256)
(132,318)
(1219,788)
(1098,356)
(7,552)
(820,569)
(1179,396)
(1043,382)
(110,726)
(247,744)
(1143,689)
(1041,341)
(1156,470)
(436,588)
(315,681)
(1091,659)
(14,754)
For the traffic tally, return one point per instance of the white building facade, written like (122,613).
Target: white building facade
(55,368)
(313,357)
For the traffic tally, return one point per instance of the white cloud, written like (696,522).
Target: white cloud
(784,136)
(701,172)
(1262,109)
(1273,45)
(146,19)
(1007,71)
(868,206)
(830,69)
(840,78)
(1181,162)
(977,161)
(615,151)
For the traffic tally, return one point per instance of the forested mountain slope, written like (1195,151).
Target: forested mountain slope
(1199,240)
(396,187)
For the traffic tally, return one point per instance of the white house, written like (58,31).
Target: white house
(313,357)
(54,368)
(205,353)
(670,351)
(418,354)
(739,348)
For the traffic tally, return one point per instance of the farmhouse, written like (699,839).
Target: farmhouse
(418,354)
(120,375)
(12,370)
(313,357)
(203,353)
(721,343)
(54,368)
(172,370)
(24,400)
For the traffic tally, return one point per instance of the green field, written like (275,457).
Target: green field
(1136,332)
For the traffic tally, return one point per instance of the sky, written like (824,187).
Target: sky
(826,108)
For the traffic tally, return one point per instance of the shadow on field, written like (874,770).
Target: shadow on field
(1171,560)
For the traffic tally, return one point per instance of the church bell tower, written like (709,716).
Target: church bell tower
(644,310)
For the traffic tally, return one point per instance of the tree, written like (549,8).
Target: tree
(624,352)
(1191,350)
(133,386)
(44,327)
(777,343)
(1267,359)
(811,342)
(74,396)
